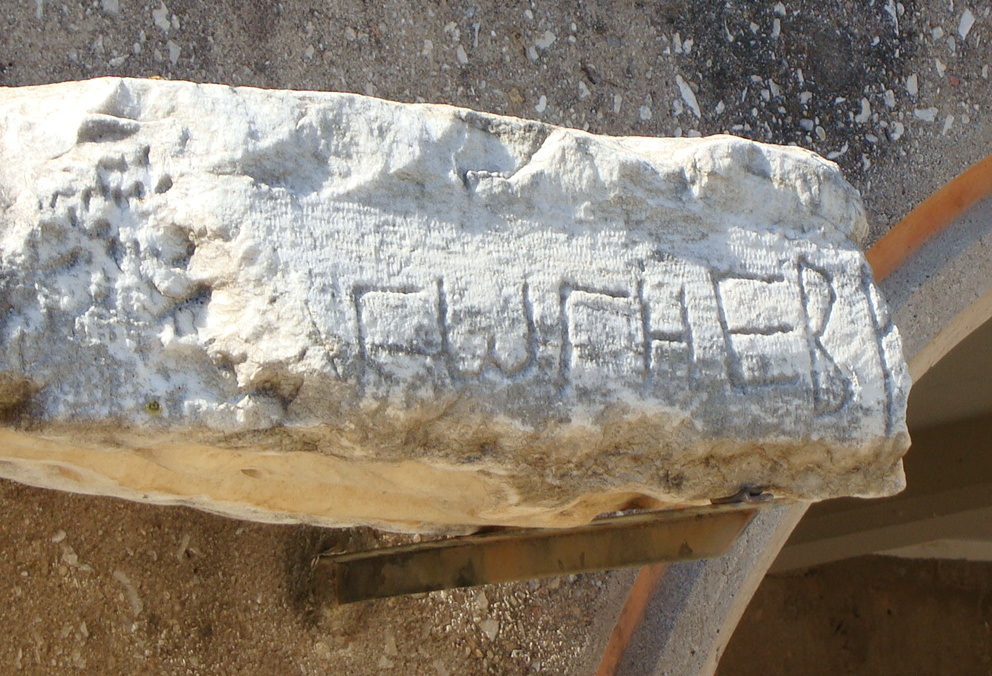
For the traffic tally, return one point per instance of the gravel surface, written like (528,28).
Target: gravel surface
(897,93)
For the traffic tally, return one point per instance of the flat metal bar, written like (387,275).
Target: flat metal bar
(618,542)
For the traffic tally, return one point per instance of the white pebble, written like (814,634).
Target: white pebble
(804,97)
(617,103)
(174,50)
(865,114)
(893,11)
(889,97)
(779,9)
(720,107)
(776,28)
(913,84)
(161,18)
(940,66)
(806,124)
(833,155)
(532,53)
(59,536)
(490,628)
(132,594)
(545,41)
(111,6)
(644,112)
(542,105)
(948,123)
(688,95)
(583,90)
(896,130)
(967,21)
(461,55)
(925,114)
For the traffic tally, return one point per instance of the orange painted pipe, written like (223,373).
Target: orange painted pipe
(933,215)
(630,618)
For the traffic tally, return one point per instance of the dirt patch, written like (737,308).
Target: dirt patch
(870,615)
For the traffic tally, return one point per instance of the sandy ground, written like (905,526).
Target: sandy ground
(897,93)
(872,616)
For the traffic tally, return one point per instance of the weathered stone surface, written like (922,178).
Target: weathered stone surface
(332,308)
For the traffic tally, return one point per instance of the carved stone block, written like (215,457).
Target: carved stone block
(333,308)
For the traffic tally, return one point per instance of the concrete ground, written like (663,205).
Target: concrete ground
(896,93)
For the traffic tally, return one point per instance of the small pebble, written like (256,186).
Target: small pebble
(174,50)
(545,41)
(865,115)
(490,628)
(688,96)
(160,17)
(948,123)
(967,21)
(913,84)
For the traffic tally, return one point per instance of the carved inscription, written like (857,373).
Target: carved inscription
(763,330)
(831,390)
(664,330)
(602,333)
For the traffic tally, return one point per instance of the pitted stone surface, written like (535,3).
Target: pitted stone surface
(332,308)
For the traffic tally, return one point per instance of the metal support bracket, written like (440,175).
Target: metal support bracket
(508,556)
